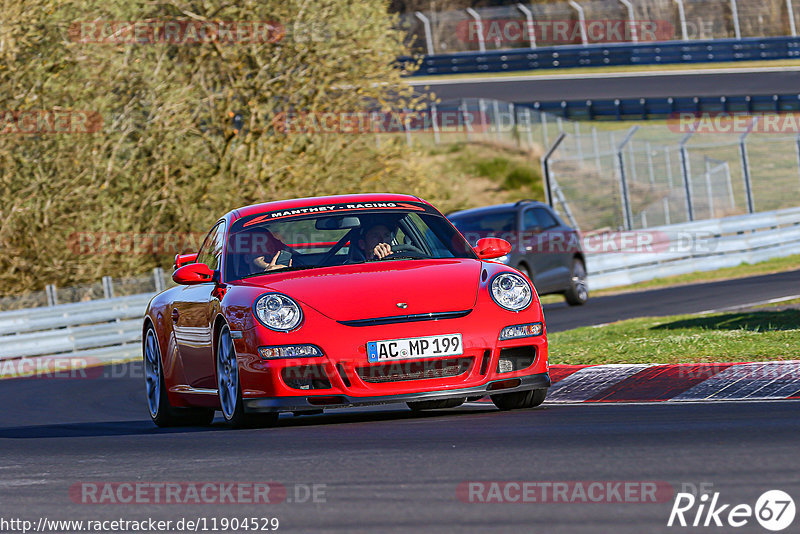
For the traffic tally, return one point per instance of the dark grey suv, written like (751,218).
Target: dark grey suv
(543,247)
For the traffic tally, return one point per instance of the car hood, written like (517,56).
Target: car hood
(372,290)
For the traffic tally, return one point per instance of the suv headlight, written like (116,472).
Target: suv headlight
(278,312)
(511,291)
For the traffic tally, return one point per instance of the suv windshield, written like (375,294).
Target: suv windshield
(274,242)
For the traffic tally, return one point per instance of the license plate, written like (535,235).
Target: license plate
(414,347)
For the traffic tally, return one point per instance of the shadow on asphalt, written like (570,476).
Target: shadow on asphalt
(756,321)
(146,428)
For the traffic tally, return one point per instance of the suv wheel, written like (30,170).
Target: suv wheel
(577,293)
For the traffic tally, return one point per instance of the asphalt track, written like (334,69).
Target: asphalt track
(386,469)
(601,86)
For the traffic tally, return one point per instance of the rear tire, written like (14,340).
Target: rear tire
(441,404)
(519,399)
(161,412)
(578,293)
(230,390)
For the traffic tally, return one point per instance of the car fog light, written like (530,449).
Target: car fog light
(521,330)
(289,351)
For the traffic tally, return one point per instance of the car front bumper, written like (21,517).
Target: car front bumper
(312,402)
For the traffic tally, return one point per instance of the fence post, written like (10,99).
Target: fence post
(158,278)
(596,147)
(735,16)
(531,27)
(406,127)
(633,163)
(687,180)
(479,24)
(709,190)
(623,182)
(650,164)
(108,287)
(581,21)
(482,113)
(426,24)
(631,20)
(748,188)
(52,296)
(543,117)
(436,138)
(790,10)
(666,211)
(495,119)
(669,166)
(578,144)
(682,15)
(548,192)
(530,127)
(466,119)
(730,184)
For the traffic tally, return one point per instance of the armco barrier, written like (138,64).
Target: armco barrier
(110,329)
(700,246)
(602,55)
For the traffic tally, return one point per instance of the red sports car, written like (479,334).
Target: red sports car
(301,305)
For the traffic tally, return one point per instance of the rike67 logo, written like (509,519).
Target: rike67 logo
(774,510)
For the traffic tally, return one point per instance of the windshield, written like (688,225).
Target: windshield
(275,242)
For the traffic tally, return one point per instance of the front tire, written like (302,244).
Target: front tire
(519,399)
(578,293)
(161,412)
(230,390)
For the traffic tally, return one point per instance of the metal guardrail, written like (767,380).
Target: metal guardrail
(699,246)
(614,54)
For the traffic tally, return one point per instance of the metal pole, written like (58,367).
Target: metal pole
(735,15)
(158,278)
(529,127)
(482,113)
(596,147)
(466,119)
(650,164)
(790,9)
(623,183)
(748,189)
(479,24)
(633,163)
(108,287)
(669,166)
(436,138)
(797,141)
(531,27)
(730,184)
(406,127)
(632,20)
(543,117)
(581,21)
(496,119)
(578,140)
(52,296)
(666,210)
(548,193)
(682,15)
(426,24)
(709,190)
(687,181)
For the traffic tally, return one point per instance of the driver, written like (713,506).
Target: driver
(375,241)
(260,250)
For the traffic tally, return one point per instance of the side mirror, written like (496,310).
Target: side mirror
(491,247)
(184,259)
(193,273)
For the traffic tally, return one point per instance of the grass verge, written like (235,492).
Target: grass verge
(726,337)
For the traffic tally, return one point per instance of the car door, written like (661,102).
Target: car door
(191,316)
(535,247)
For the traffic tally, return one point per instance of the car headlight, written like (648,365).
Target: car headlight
(511,291)
(278,312)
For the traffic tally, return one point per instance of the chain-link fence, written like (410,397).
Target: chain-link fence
(587,22)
